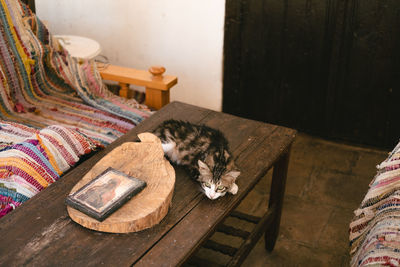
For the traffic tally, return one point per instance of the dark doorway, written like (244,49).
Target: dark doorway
(326,67)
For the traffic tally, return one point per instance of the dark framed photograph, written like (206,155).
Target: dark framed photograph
(106,193)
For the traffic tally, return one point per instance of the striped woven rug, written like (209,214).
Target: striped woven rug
(42,85)
(52,109)
(38,159)
(375,229)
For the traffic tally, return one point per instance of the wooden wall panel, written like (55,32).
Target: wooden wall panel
(368,82)
(325,67)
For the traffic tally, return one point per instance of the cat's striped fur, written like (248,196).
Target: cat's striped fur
(204,152)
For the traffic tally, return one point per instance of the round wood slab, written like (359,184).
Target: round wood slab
(144,160)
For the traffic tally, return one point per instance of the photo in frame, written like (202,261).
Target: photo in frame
(100,197)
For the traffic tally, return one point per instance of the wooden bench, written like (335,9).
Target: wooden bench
(156,84)
(40,232)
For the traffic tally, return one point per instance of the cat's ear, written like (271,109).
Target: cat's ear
(203,168)
(233,174)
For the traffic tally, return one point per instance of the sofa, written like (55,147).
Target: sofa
(54,110)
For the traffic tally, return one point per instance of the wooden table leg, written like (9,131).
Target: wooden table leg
(124,91)
(276,199)
(156,98)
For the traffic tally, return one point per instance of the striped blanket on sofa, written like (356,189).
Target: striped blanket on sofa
(52,109)
(375,229)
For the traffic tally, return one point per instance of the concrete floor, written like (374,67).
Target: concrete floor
(326,182)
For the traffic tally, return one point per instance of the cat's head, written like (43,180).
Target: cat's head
(216,185)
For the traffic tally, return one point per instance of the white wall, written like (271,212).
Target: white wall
(186,36)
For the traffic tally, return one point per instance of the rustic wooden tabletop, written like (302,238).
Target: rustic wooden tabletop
(41,233)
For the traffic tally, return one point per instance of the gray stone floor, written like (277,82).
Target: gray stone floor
(326,182)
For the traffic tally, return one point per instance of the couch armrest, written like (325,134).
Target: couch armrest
(157,85)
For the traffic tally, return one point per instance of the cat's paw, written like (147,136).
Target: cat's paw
(234,189)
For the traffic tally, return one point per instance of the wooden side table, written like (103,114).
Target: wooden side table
(41,233)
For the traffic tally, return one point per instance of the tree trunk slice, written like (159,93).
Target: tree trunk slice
(144,160)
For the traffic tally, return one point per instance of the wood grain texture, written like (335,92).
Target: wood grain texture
(143,160)
(40,232)
(254,155)
(42,226)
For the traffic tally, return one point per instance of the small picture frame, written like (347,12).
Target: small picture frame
(104,194)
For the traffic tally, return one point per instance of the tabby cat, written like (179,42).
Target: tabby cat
(204,152)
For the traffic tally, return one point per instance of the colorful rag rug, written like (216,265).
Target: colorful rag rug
(29,166)
(375,229)
(42,86)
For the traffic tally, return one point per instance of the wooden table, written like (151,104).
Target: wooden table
(40,232)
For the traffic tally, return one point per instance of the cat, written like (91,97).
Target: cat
(204,152)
